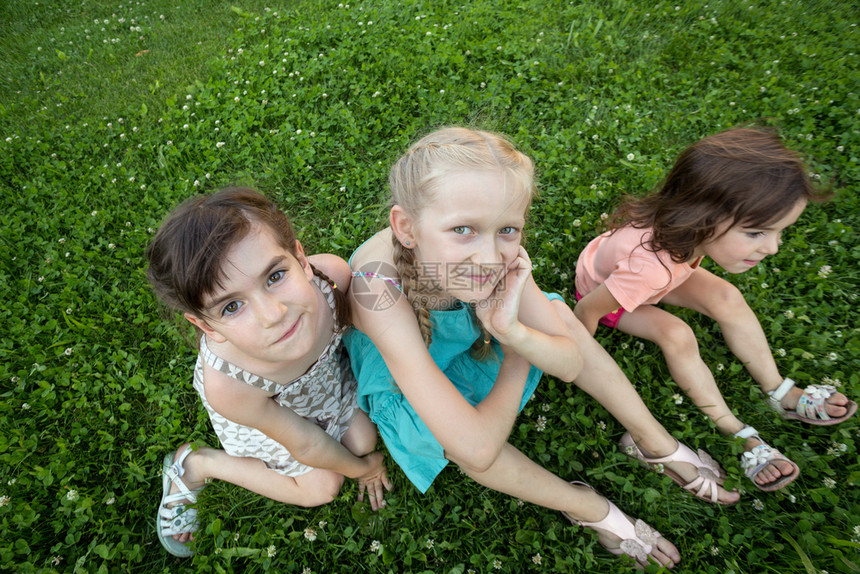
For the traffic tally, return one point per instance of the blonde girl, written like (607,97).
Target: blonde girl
(452,334)
(271,370)
(728,197)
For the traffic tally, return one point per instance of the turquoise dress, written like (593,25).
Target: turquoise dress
(409,441)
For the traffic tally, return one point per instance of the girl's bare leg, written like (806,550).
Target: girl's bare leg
(314,488)
(606,383)
(516,475)
(724,303)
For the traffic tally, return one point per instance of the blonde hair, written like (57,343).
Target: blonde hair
(416,177)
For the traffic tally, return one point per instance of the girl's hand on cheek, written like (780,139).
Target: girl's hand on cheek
(500,311)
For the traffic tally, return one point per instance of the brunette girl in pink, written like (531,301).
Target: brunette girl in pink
(728,197)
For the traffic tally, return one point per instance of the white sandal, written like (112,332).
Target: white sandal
(810,407)
(179,518)
(753,461)
(638,539)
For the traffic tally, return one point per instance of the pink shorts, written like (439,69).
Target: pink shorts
(610,319)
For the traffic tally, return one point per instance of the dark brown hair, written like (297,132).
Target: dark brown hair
(187,255)
(742,175)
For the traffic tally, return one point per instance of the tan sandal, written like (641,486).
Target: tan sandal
(706,484)
(810,407)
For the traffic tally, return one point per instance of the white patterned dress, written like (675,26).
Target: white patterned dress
(324,395)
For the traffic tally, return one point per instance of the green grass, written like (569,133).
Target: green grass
(100,138)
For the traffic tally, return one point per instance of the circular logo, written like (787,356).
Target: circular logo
(374,287)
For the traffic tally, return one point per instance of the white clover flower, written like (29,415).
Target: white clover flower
(601,425)
(677,398)
(72,495)
(604,216)
(840,148)
(792,498)
(631,157)
(824,271)
(68,351)
(714,551)
(25,406)
(430,543)
(375,546)
(56,560)
(536,558)
(4,500)
(307,570)
(833,356)
(497,564)
(310,534)
(789,314)
(829,482)
(758,504)
(94,213)
(577,222)
(111,245)
(545,407)
(271,551)
(219,145)
(780,352)
(682,417)
(110,501)
(540,423)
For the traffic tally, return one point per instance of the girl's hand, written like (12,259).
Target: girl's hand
(374,480)
(500,311)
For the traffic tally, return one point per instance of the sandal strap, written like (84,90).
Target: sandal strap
(748,432)
(706,483)
(175,471)
(753,461)
(774,397)
(638,539)
(811,402)
(177,520)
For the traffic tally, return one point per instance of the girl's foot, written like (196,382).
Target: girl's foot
(815,404)
(698,473)
(768,468)
(182,475)
(620,534)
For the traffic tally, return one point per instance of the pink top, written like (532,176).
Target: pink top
(633,274)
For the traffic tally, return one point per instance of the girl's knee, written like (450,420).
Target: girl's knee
(361,436)
(322,488)
(678,338)
(726,301)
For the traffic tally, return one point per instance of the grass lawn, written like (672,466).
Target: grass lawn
(113,112)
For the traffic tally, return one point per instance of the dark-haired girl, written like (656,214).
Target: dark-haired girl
(728,197)
(271,370)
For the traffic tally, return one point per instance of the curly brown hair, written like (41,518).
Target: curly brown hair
(742,175)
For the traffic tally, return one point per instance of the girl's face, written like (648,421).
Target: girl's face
(470,233)
(267,308)
(738,248)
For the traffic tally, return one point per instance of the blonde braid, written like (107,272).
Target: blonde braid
(404,261)
(481,349)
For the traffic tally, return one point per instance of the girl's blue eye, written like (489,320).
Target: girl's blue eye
(275,277)
(230,308)
(461,229)
(755,234)
(507,230)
